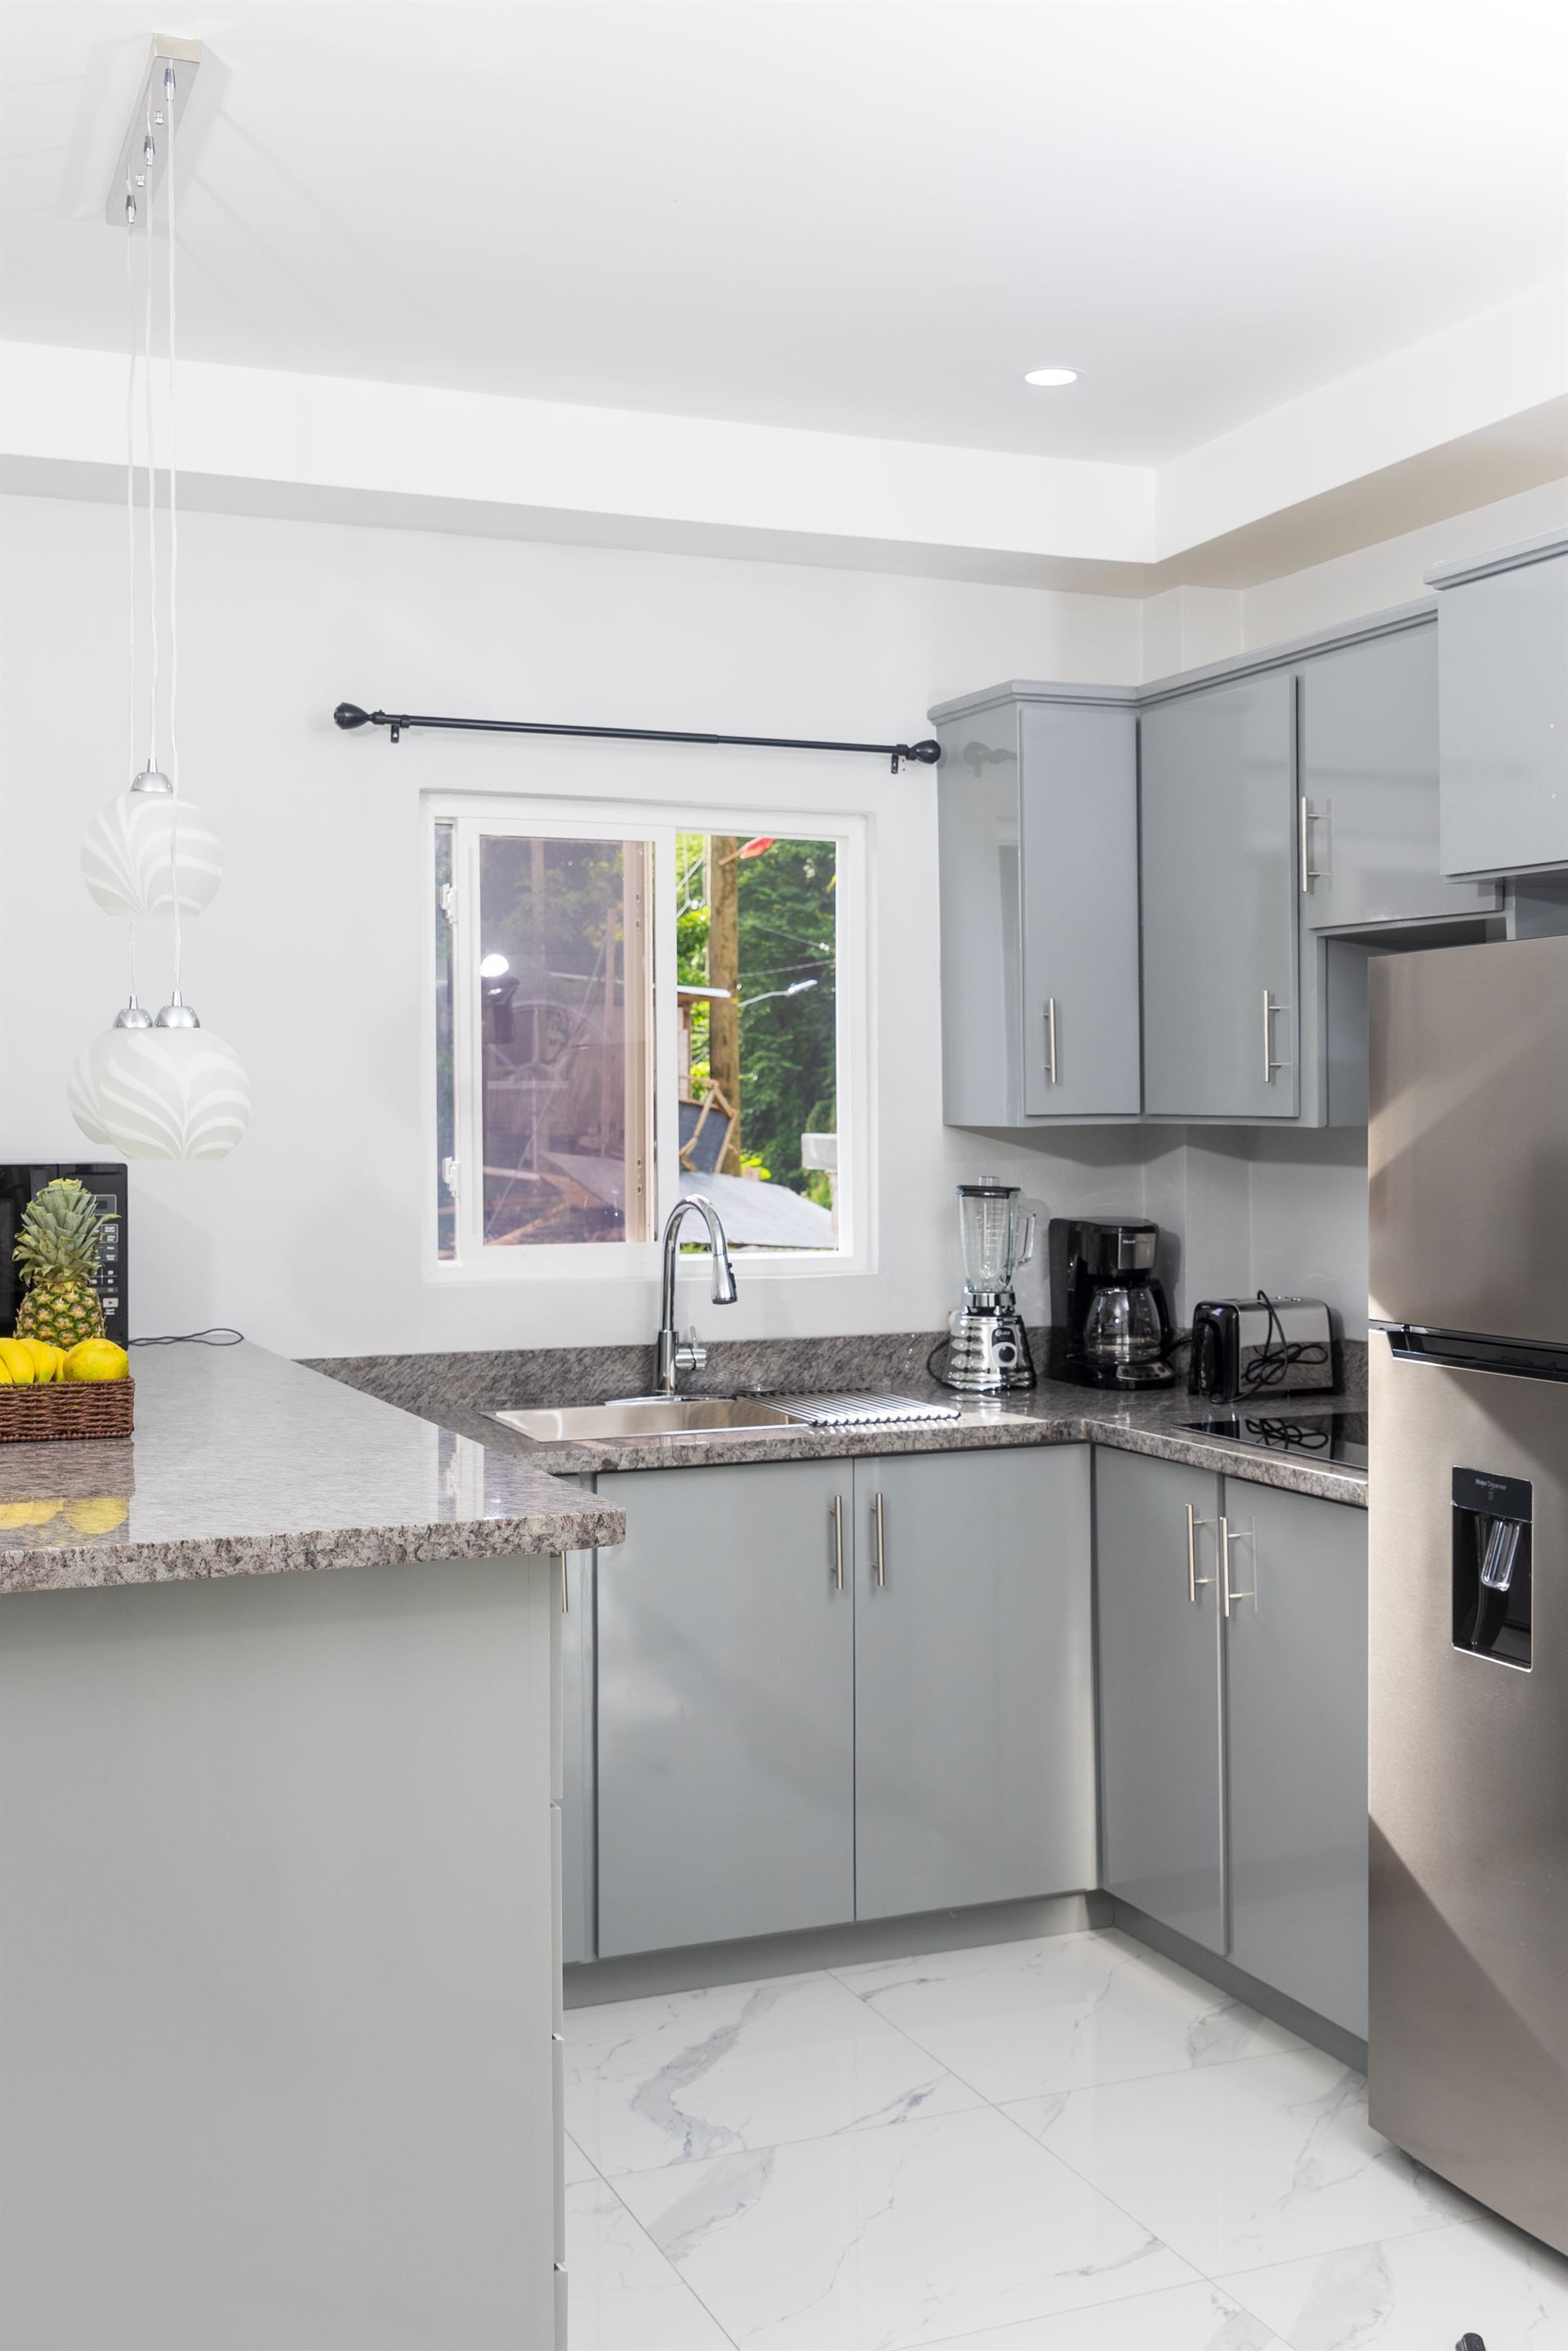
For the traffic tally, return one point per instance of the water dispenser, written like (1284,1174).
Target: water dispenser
(1492,1518)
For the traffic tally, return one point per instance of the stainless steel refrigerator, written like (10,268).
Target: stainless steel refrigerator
(1469,1591)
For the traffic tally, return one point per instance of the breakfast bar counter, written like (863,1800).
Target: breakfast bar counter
(278,1918)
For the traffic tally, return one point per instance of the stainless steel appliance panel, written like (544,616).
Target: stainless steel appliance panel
(1469,1789)
(1468,1142)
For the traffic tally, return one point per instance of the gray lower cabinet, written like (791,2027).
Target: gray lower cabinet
(579,1868)
(775,1751)
(1502,705)
(1368,817)
(1233,1741)
(1162,1839)
(726,1707)
(1219,859)
(1296,1715)
(973,1679)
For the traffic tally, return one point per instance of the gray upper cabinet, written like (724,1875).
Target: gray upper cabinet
(1368,816)
(1078,869)
(974,1677)
(725,1704)
(1161,1744)
(1038,818)
(1296,1713)
(1503,688)
(1222,1031)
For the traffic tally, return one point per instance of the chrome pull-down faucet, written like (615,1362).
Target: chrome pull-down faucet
(677,1355)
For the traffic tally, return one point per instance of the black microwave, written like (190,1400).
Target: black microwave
(105,1178)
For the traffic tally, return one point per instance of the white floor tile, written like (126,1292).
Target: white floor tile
(740,2066)
(1419,2293)
(1018,2020)
(1184,2318)
(894,2236)
(622,2293)
(1240,2166)
(578,2166)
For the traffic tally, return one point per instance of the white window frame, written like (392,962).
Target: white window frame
(585,817)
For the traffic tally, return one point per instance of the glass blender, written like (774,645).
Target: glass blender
(988,1350)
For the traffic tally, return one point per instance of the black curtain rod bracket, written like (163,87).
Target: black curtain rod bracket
(350,715)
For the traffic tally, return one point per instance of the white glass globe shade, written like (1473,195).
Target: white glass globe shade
(171,1093)
(84,1088)
(125,856)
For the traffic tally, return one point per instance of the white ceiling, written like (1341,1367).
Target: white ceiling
(866,219)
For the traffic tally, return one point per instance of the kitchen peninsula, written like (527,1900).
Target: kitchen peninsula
(278,1923)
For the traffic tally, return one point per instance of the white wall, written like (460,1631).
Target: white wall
(1390,571)
(309,961)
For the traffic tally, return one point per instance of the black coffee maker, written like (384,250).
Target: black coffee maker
(1111,1327)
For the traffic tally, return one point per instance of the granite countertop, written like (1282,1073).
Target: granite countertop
(245,1464)
(456,1391)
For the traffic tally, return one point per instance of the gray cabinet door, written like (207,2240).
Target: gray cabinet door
(578,1866)
(1502,700)
(1078,766)
(1369,788)
(1218,805)
(1296,1697)
(726,1707)
(977,875)
(974,1677)
(1162,1838)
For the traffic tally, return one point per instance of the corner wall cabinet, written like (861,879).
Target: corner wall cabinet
(1184,880)
(1232,1658)
(1221,1026)
(842,1690)
(1502,645)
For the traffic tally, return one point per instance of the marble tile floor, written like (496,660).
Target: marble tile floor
(1065,2144)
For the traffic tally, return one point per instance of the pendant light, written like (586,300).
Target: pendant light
(161,1088)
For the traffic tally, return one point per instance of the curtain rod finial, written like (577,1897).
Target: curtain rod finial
(349,713)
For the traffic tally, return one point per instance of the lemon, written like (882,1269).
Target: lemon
(94,1359)
(17,1362)
(46,1359)
(28,1514)
(98,1514)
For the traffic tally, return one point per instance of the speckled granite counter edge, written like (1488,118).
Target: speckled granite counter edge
(1012,1424)
(86,1566)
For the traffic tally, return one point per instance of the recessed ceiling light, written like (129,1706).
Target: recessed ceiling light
(1048,377)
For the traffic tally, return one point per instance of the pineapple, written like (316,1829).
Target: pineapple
(57,1251)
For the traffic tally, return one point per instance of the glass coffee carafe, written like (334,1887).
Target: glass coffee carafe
(1124,1325)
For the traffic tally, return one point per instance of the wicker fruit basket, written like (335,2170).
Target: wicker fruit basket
(84,1408)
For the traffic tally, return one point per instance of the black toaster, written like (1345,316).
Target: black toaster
(1247,1349)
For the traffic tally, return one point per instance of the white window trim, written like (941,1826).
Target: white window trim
(590,819)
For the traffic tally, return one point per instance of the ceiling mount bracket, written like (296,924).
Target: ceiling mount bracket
(165,86)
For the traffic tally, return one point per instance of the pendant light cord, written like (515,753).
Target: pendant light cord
(131,517)
(151,479)
(173,547)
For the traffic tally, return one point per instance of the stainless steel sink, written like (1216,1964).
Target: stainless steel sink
(648,1417)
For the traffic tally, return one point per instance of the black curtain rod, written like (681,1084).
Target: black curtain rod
(349,713)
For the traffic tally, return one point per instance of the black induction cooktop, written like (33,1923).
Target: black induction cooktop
(1338,1436)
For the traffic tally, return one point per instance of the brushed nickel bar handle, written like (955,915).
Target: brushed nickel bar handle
(1310,872)
(839,1541)
(1050,1039)
(1270,1063)
(1227,1535)
(881,1543)
(1194,1582)
(565,1590)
